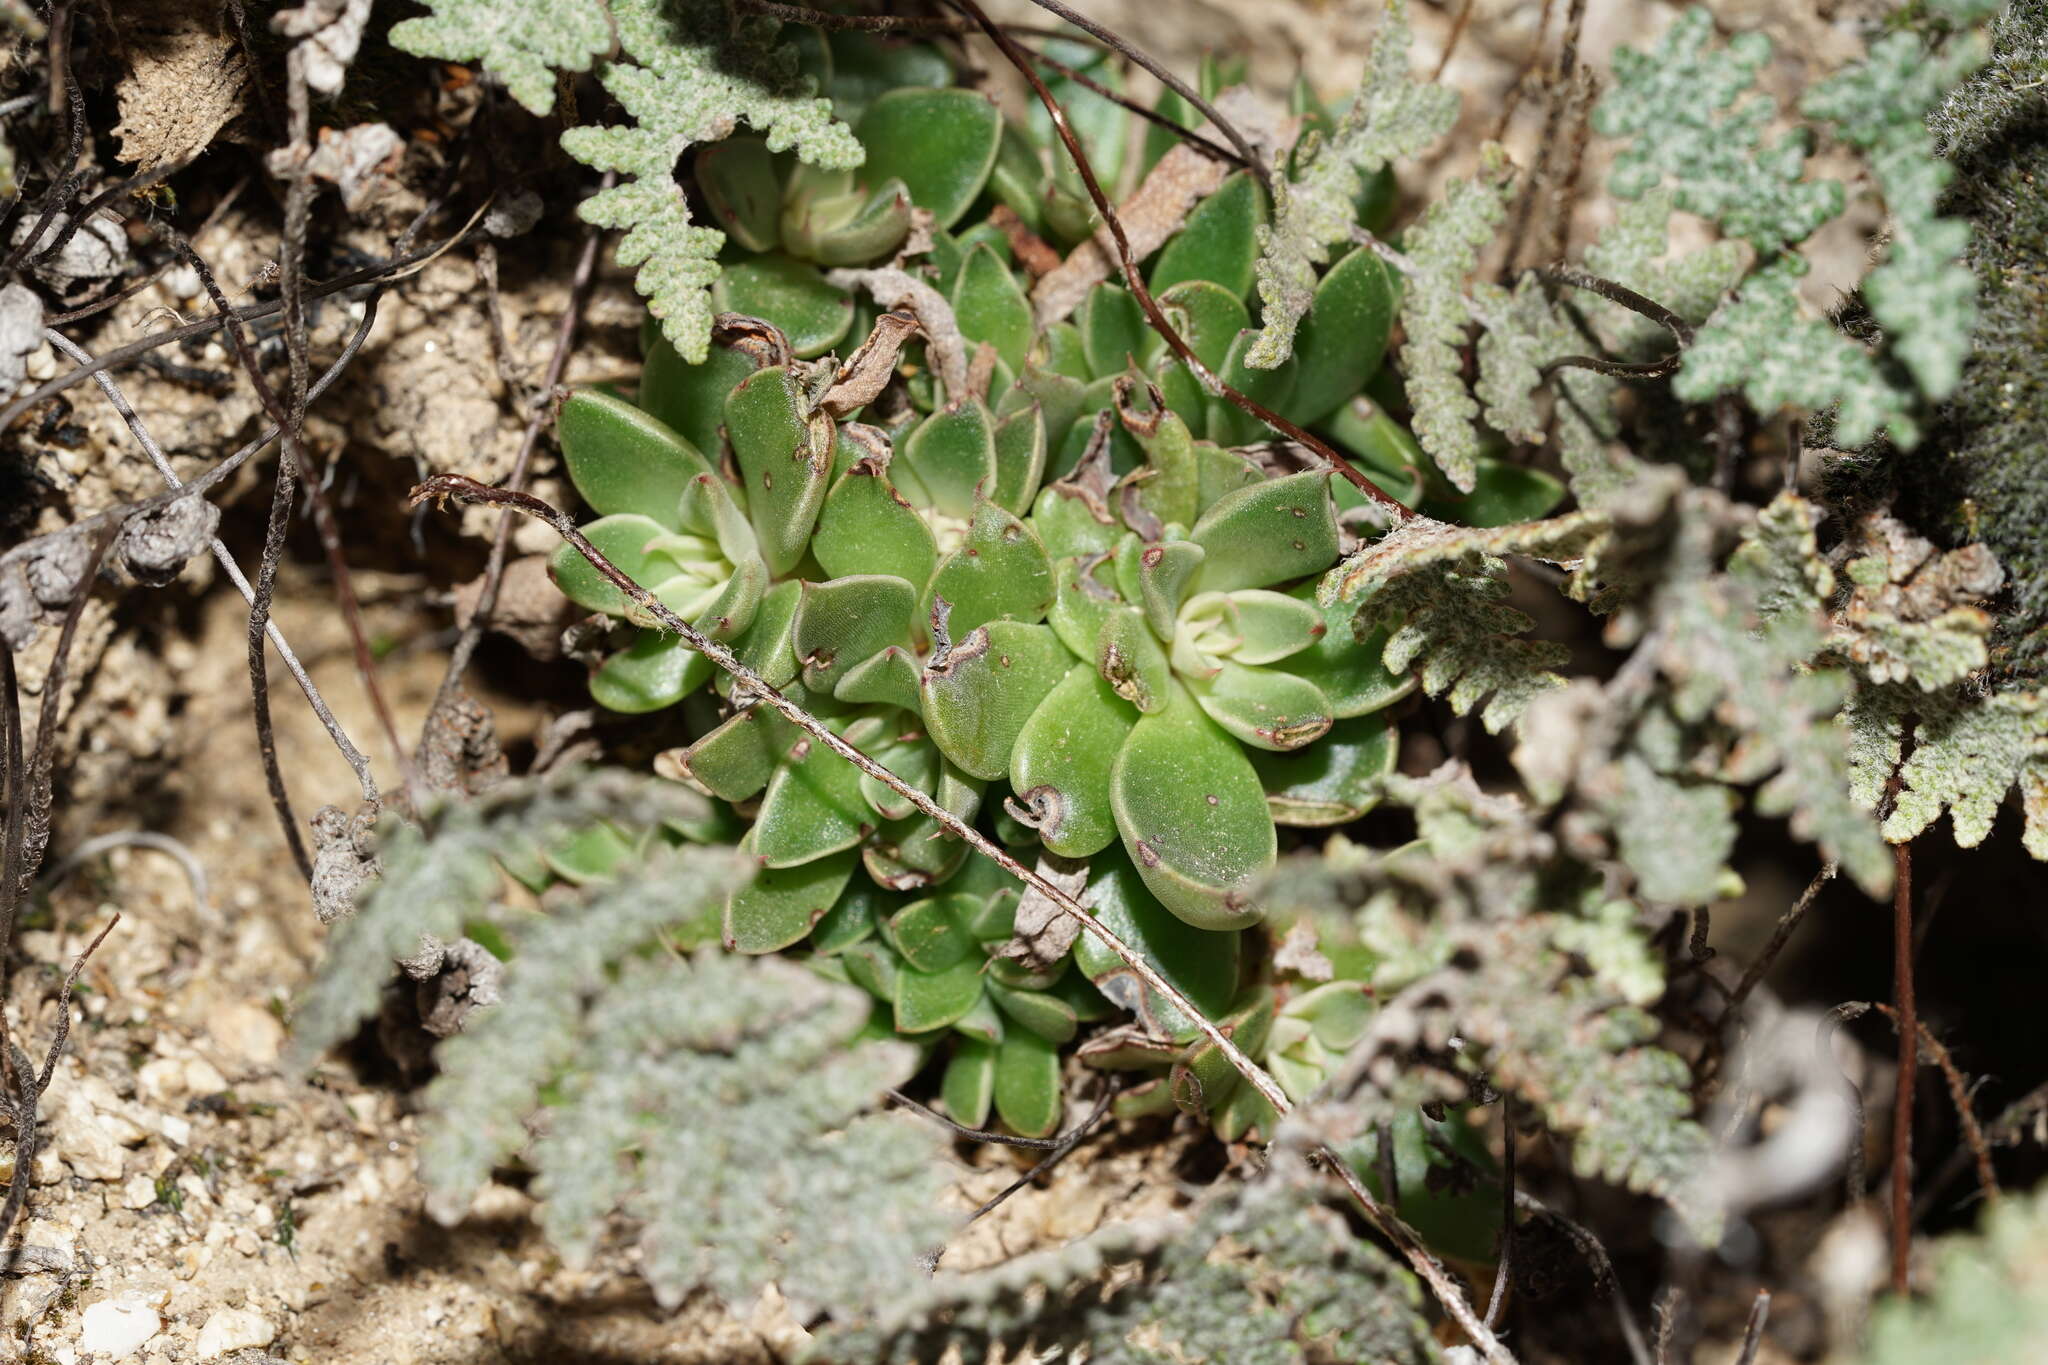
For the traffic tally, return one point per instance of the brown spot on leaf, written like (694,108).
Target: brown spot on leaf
(1152,556)
(1147,854)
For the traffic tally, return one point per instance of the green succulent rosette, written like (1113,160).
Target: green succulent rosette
(1057,586)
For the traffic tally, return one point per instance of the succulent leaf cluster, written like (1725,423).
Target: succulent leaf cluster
(1068,593)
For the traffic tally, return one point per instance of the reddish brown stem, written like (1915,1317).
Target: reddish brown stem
(1136,281)
(1909,1063)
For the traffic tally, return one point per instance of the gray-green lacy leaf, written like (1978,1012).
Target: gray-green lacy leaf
(524,45)
(1392,116)
(696,71)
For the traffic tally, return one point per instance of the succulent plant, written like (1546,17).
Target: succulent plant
(1068,593)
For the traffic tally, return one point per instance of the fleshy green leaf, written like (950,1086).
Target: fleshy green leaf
(1219,242)
(939,143)
(1000,572)
(1269,533)
(847,621)
(1193,816)
(780,905)
(1333,781)
(978,699)
(784,461)
(865,527)
(622,459)
(1061,762)
(948,459)
(990,306)
(1028,1083)
(814,315)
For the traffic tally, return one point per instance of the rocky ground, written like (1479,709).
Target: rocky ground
(192,1200)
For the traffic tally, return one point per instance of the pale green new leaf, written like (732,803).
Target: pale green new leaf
(696,72)
(523,44)
(1393,115)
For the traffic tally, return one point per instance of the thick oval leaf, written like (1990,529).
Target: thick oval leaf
(1201,965)
(1060,764)
(1028,1083)
(1113,331)
(948,459)
(907,854)
(1269,533)
(1017,176)
(1343,341)
(929,1000)
(790,293)
(780,905)
(1272,626)
(1265,708)
(852,918)
(1208,318)
(632,543)
(1204,1077)
(735,761)
(1229,425)
(743,190)
(939,143)
(1048,1016)
(887,679)
(847,622)
(1381,448)
(978,699)
(982,1024)
(1129,657)
(622,459)
(594,853)
(690,399)
(813,805)
(656,671)
(990,306)
(969,1086)
(1333,781)
(865,67)
(929,933)
(1347,670)
(1165,571)
(765,647)
(1020,459)
(865,527)
(912,758)
(1084,594)
(1193,816)
(1000,572)
(1072,521)
(784,461)
(1220,241)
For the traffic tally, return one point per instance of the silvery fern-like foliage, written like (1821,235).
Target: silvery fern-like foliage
(1921,293)
(1392,116)
(443,872)
(1985,1303)
(688,72)
(1443,248)
(697,71)
(1437,589)
(1969,750)
(1694,123)
(718,1102)
(1527,330)
(524,44)
(1264,1273)
(491,1073)
(1490,930)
